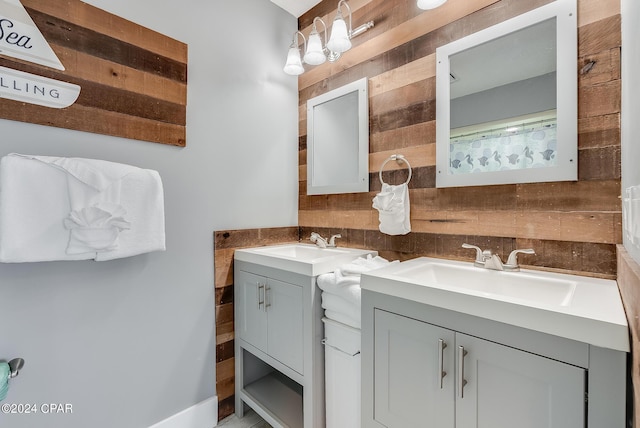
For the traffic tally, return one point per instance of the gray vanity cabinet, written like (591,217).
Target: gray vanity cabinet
(407,389)
(419,368)
(279,359)
(271,317)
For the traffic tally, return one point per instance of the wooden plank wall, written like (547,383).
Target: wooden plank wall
(629,284)
(573,226)
(225,243)
(133,80)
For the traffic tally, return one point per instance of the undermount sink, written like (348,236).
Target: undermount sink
(522,286)
(581,308)
(300,258)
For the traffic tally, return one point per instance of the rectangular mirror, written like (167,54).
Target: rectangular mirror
(338,140)
(506,101)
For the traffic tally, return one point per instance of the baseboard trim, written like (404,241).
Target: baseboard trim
(201,415)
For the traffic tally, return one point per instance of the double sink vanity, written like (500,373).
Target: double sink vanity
(444,343)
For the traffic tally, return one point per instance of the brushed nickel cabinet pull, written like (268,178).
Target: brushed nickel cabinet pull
(267,303)
(442,345)
(260,295)
(461,380)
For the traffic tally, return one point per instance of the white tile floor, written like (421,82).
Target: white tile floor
(250,420)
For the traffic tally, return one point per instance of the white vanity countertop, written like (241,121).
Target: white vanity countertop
(580,308)
(304,259)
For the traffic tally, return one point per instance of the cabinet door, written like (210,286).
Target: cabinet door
(509,388)
(285,313)
(407,374)
(251,317)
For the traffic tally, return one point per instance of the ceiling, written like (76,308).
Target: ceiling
(296,7)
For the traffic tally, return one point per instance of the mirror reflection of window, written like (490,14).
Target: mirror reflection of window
(503,103)
(506,101)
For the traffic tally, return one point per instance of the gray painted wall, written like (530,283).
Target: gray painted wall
(630,104)
(130,342)
(512,100)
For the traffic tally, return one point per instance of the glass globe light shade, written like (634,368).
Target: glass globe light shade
(315,54)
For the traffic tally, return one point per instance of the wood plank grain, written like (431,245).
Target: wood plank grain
(406,136)
(224,313)
(224,351)
(224,332)
(101,21)
(421,177)
(402,97)
(599,100)
(223,295)
(225,375)
(590,11)
(596,227)
(111,99)
(409,30)
(601,163)
(327,11)
(424,155)
(73,36)
(412,72)
(576,257)
(600,67)
(108,73)
(80,118)
(599,36)
(226,407)
(570,196)
(223,267)
(422,111)
(599,131)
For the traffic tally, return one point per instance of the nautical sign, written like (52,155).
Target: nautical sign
(30,88)
(20,38)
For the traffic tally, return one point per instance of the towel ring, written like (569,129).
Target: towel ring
(398,158)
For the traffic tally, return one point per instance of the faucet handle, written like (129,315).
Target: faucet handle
(512,261)
(317,239)
(479,256)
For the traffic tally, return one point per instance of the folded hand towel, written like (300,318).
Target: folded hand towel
(346,287)
(361,265)
(336,303)
(33,203)
(96,228)
(345,281)
(392,204)
(343,318)
(143,198)
(110,210)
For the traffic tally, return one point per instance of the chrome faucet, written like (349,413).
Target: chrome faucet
(322,242)
(486,259)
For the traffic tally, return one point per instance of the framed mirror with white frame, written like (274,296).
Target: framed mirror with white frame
(338,140)
(506,101)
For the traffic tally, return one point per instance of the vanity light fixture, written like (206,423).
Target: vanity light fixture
(316,52)
(294,62)
(430,4)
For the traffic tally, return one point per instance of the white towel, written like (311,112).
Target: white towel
(55,208)
(361,264)
(347,287)
(345,281)
(343,318)
(333,302)
(393,206)
(143,198)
